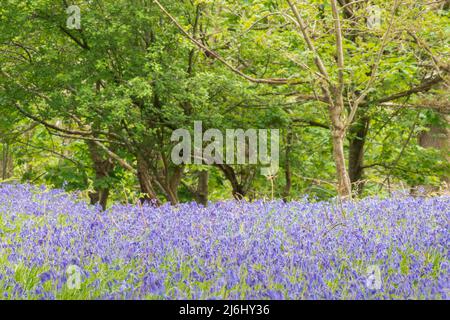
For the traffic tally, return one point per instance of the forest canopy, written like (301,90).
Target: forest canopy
(357,89)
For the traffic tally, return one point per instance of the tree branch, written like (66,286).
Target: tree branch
(116,157)
(220,58)
(339,46)
(302,26)
(375,66)
(423,87)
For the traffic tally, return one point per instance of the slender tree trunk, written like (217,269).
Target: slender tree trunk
(287,165)
(145,181)
(94,197)
(102,168)
(238,191)
(173,183)
(167,183)
(338,135)
(103,198)
(201,195)
(6,162)
(344,185)
(358,134)
(100,196)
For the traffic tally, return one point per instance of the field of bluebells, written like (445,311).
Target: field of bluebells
(228,250)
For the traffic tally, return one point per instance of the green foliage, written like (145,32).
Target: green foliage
(131,77)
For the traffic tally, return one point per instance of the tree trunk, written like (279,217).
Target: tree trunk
(238,191)
(145,182)
(201,195)
(102,168)
(6,162)
(100,196)
(344,187)
(287,165)
(174,183)
(358,134)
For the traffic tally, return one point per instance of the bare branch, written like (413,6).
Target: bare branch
(437,61)
(220,58)
(311,123)
(116,157)
(375,67)
(339,46)
(302,26)
(49,125)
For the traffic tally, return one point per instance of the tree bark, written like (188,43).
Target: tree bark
(145,182)
(238,190)
(6,163)
(102,168)
(344,187)
(201,195)
(174,183)
(358,134)
(287,165)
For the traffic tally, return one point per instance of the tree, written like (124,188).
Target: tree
(332,75)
